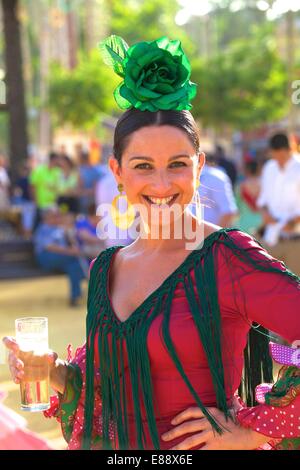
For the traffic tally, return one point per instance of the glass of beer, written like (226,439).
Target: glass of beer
(32,338)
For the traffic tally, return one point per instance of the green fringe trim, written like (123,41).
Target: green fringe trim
(258,365)
(112,336)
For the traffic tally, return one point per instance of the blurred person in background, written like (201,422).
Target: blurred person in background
(55,251)
(89,176)
(22,197)
(279,201)
(228,165)
(216,195)
(69,185)
(4,185)
(62,153)
(247,193)
(44,184)
(86,233)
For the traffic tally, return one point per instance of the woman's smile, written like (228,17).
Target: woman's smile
(160,201)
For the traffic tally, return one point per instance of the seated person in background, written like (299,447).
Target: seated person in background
(216,195)
(86,234)
(69,185)
(54,251)
(23,198)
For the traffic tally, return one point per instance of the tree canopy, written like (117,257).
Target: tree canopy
(242,87)
(81,95)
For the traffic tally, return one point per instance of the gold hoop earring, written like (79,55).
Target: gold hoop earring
(122,220)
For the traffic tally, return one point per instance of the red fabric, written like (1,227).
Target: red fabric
(13,432)
(245,295)
(249,199)
(22,439)
(275,422)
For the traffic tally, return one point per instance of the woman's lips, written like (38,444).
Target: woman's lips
(161,201)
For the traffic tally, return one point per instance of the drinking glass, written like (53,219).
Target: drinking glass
(32,338)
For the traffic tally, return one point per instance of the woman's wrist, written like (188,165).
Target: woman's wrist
(255,439)
(58,375)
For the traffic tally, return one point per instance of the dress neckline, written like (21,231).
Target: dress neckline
(148,300)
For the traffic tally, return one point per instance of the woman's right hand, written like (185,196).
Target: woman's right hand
(16,366)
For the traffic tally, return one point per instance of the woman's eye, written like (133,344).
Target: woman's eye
(177,164)
(143,166)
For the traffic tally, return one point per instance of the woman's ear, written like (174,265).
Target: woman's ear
(116,169)
(201,163)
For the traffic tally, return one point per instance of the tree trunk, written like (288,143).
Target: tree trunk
(290,48)
(15,86)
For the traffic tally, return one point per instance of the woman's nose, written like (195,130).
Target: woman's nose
(161,183)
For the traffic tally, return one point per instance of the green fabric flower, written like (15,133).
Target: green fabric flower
(156,74)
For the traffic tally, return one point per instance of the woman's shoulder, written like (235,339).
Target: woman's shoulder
(242,239)
(238,240)
(244,250)
(104,256)
(230,237)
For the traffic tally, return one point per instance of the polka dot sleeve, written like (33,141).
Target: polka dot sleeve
(278,413)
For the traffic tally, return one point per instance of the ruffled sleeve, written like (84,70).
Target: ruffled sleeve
(68,408)
(278,413)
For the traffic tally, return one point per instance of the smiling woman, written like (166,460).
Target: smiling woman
(167,326)
(157,160)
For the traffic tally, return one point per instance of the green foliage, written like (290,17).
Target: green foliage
(243,87)
(79,96)
(241,81)
(147,20)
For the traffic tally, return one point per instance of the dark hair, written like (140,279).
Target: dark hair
(279,141)
(252,167)
(53,156)
(210,158)
(92,208)
(68,161)
(84,157)
(134,119)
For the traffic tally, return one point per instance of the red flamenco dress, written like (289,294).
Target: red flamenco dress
(185,345)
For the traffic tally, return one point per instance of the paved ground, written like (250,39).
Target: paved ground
(40,297)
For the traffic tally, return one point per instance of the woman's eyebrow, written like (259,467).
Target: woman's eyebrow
(149,159)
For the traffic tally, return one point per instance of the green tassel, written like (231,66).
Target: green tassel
(170,347)
(258,366)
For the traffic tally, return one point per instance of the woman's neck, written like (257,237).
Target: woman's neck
(176,236)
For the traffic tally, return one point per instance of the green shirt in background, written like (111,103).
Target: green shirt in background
(46,183)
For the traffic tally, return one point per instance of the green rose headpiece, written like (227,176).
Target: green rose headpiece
(155,74)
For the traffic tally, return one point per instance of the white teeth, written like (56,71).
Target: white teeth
(159,201)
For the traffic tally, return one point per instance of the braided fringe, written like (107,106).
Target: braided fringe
(258,366)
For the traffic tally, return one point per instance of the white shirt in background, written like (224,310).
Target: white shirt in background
(280,194)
